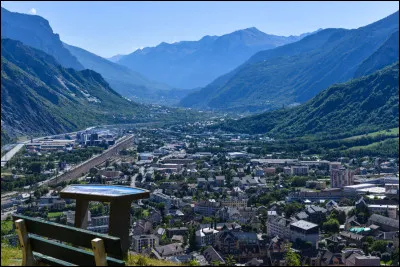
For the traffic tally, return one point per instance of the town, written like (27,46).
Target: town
(215,198)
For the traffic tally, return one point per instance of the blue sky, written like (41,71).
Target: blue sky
(110,28)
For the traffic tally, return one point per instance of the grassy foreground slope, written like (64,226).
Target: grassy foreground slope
(12,256)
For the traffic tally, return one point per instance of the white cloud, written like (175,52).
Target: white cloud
(32,11)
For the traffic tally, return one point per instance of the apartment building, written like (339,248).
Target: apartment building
(142,242)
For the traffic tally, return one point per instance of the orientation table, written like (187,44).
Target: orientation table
(120,198)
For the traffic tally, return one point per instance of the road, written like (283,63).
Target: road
(11,154)
(5,214)
(141,170)
(133,181)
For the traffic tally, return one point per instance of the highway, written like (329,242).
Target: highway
(11,154)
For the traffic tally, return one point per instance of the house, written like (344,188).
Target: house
(330,205)
(240,172)
(234,202)
(219,180)
(211,255)
(176,231)
(276,250)
(229,214)
(304,230)
(145,156)
(352,237)
(287,170)
(155,217)
(386,224)
(159,197)
(269,171)
(247,213)
(328,258)
(207,208)
(142,227)
(255,262)
(53,203)
(390,210)
(316,214)
(206,236)
(178,238)
(202,182)
(278,226)
(351,222)
(169,250)
(160,232)
(259,171)
(242,244)
(355,259)
(143,242)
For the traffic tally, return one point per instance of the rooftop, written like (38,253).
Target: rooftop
(304,224)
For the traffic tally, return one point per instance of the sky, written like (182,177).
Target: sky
(109,28)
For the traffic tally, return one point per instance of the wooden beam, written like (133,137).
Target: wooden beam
(119,222)
(81,213)
(70,234)
(67,253)
(99,252)
(27,256)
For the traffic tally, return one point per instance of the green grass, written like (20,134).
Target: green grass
(372,145)
(145,213)
(12,256)
(54,214)
(389,263)
(390,132)
(6,227)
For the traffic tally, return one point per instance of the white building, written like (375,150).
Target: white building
(304,230)
(206,236)
(142,242)
(278,226)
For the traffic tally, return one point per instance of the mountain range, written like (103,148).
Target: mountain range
(366,104)
(39,96)
(36,32)
(127,82)
(193,64)
(294,73)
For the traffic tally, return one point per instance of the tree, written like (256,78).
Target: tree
(321,244)
(193,263)
(379,245)
(385,257)
(230,261)
(142,261)
(395,257)
(192,239)
(331,226)
(35,167)
(339,215)
(331,247)
(291,257)
(215,263)
(50,165)
(365,247)
(292,208)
